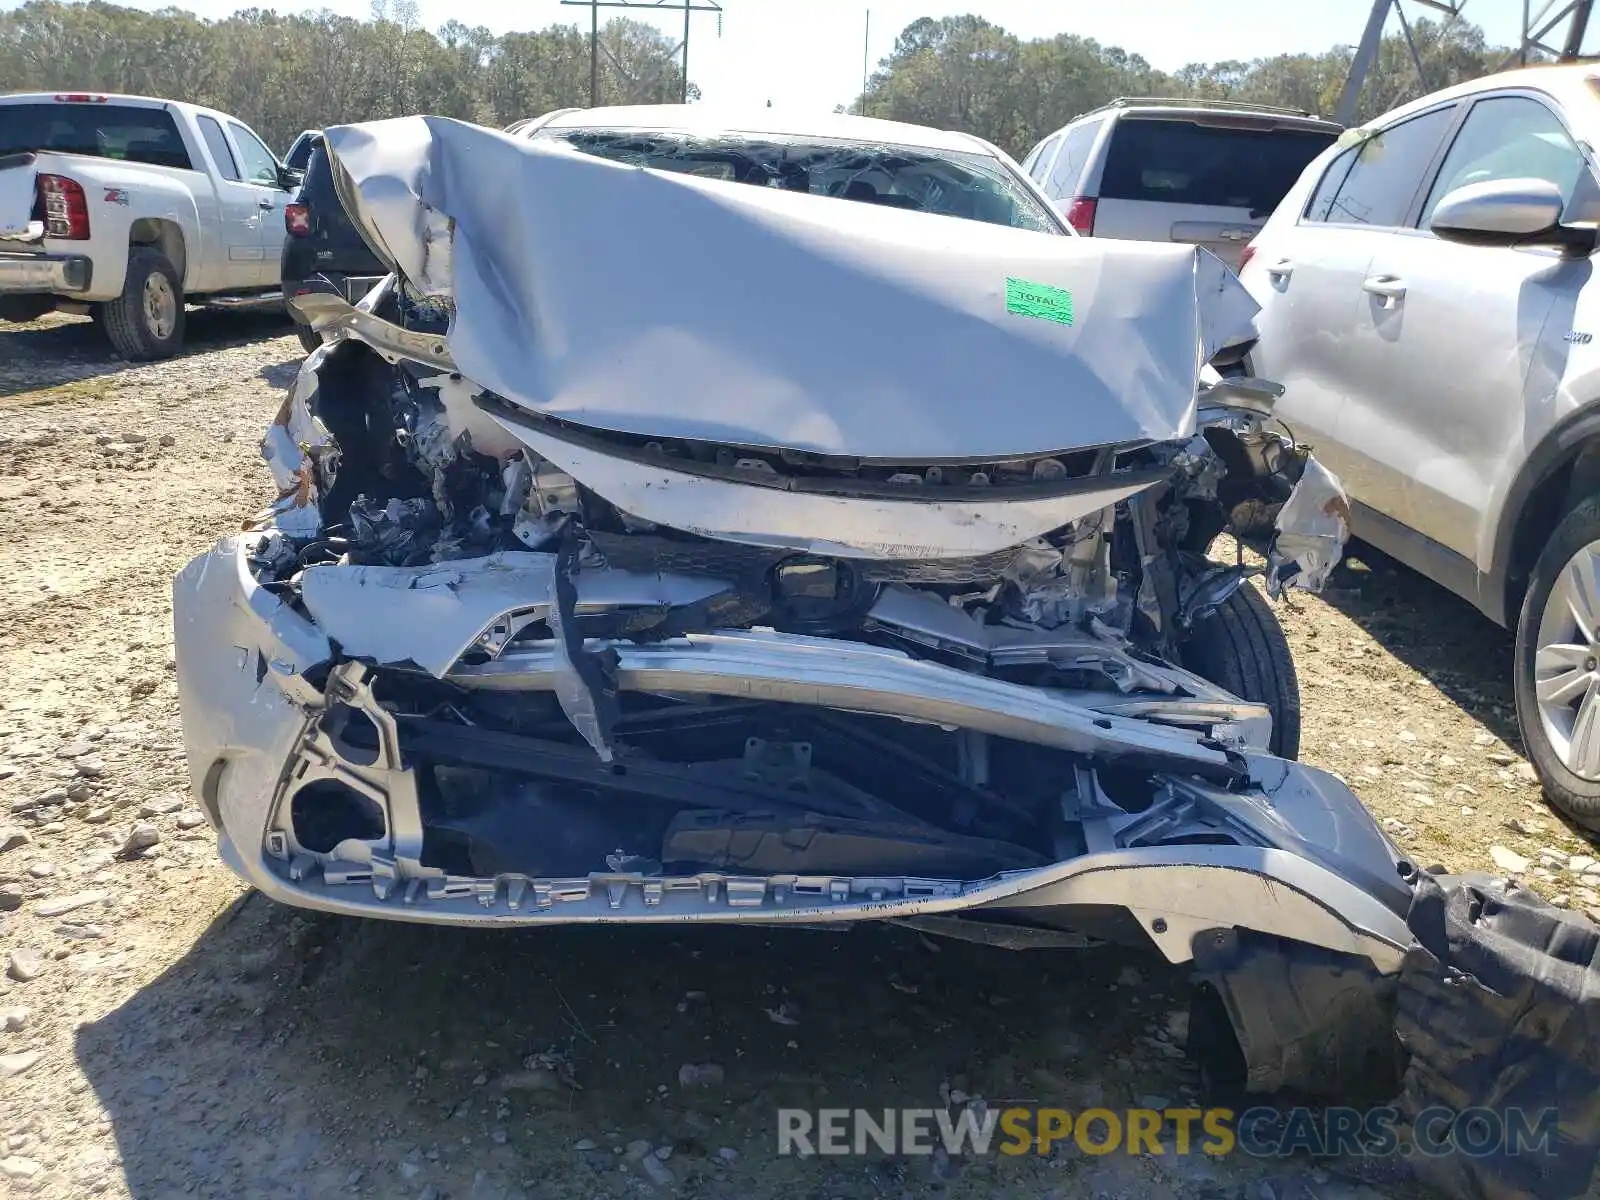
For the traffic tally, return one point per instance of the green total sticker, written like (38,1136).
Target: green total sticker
(1028,299)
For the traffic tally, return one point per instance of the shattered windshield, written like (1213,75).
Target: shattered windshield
(951,183)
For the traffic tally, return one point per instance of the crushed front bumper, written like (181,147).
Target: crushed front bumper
(259,682)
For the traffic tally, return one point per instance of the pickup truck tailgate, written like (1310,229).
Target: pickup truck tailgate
(16,194)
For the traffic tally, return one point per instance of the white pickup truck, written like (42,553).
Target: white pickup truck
(127,208)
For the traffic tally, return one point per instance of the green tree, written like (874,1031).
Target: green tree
(966,73)
(282,74)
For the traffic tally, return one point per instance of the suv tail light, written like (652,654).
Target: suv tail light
(1245,256)
(66,212)
(297,220)
(1080,215)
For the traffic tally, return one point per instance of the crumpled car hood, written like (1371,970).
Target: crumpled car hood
(655,304)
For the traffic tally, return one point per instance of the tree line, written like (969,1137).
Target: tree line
(967,73)
(284,73)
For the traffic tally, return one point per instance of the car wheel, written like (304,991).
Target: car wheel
(1240,646)
(309,337)
(1557,666)
(146,321)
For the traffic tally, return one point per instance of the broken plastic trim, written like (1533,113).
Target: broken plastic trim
(585,680)
(618,448)
(334,316)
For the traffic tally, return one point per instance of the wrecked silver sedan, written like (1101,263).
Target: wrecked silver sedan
(654,547)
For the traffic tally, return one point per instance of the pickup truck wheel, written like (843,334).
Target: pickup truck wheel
(1240,646)
(146,321)
(1557,666)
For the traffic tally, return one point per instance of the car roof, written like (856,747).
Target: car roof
(713,119)
(112,98)
(98,97)
(1573,85)
(1144,107)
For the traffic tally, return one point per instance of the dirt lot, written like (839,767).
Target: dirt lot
(163,1033)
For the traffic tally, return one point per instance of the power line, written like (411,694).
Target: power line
(1536,27)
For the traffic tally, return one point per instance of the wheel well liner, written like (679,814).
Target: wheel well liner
(1563,467)
(164,236)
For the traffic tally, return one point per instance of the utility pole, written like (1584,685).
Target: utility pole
(866,50)
(688,6)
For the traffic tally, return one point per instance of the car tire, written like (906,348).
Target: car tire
(309,337)
(146,321)
(1565,788)
(1240,646)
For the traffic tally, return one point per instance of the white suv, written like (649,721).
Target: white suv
(1150,170)
(1428,302)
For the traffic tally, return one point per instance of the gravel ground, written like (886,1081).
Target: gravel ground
(165,1033)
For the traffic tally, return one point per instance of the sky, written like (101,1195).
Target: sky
(807,54)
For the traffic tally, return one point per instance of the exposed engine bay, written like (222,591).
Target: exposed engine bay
(498,653)
(384,488)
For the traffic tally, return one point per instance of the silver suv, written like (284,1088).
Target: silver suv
(1428,301)
(1157,170)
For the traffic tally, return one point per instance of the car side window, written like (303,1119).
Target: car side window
(257,161)
(1027,163)
(1041,164)
(1384,173)
(1069,163)
(221,154)
(1508,137)
(1328,186)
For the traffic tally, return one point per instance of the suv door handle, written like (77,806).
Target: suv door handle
(266,204)
(1390,288)
(1281,269)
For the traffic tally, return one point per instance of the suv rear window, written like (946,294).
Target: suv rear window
(300,153)
(142,135)
(317,187)
(1179,162)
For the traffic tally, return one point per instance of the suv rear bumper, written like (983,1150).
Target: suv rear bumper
(350,287)
(60,274)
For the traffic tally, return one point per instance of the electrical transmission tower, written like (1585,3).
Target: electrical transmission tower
(1540,41)
(688,7)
